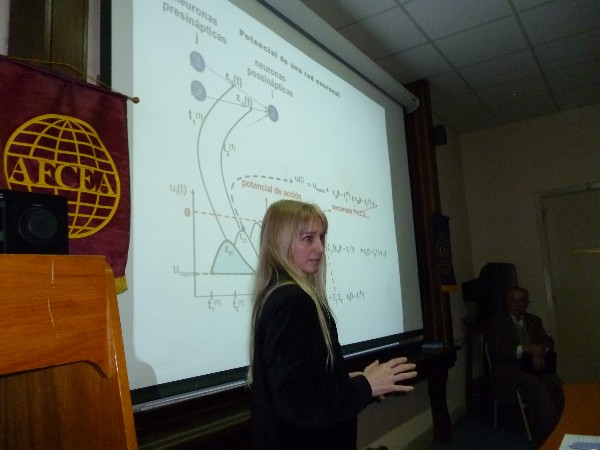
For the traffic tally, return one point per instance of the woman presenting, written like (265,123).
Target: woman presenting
(302,396)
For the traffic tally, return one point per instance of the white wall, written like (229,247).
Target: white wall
(504,167)
(4,16)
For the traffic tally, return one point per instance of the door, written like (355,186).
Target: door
(572,226)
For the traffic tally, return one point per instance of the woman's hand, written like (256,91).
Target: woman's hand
(383,377)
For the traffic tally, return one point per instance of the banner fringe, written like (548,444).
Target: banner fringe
(121,284)
(78,72)
(450,288)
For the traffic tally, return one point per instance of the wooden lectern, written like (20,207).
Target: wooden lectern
(63,380)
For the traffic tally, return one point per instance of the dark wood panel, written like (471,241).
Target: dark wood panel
(62,378)
(50,30)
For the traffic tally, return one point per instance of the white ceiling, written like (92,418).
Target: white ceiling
(488,62)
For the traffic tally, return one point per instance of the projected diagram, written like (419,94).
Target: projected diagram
(237,251)
(232,126)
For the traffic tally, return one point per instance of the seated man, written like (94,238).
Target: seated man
(518,347)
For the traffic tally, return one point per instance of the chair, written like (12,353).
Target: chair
(504,397)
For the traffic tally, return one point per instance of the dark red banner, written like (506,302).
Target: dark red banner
(64,137)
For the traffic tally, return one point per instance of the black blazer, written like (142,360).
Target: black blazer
(503,341)
(298,402)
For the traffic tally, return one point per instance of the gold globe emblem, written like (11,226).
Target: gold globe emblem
(63,155)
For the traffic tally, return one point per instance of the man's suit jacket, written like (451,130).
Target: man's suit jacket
(503,341)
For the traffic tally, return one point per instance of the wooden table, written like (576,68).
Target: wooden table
(580,416)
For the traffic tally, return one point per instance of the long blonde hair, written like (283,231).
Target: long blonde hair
(283,222)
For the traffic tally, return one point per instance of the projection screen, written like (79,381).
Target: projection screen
(239,109)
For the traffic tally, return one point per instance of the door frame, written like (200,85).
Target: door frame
(545,248)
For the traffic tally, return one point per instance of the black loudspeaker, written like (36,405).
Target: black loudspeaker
(495,279)
(471,291)
(438,135)
(34,223)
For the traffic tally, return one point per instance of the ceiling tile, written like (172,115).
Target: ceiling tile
(560,18)
(475,54)
(483,43)
(340,13)
(575,98)
(422,62)
(397,69)
(467,124)
(573,77)
(521,5)
(533,107)
(464,105)
(568,51)
(447,85)
(518,91)
(453,16)
(501,70)
(384,34)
